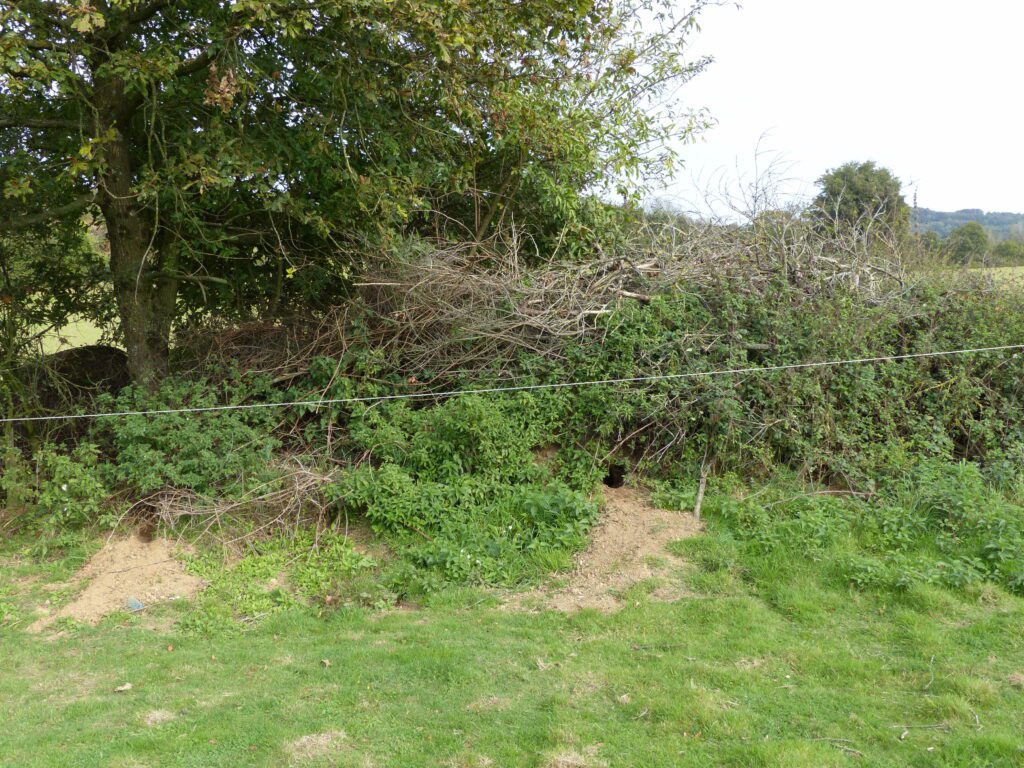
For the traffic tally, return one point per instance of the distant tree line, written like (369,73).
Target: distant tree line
(866,200)
(973,244)
(1001,225)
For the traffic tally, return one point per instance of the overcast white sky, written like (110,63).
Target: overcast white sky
(933,89)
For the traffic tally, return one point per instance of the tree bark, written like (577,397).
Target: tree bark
(145,304)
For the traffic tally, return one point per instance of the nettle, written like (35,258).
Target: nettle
(64,493)
(459,488)
(219,452)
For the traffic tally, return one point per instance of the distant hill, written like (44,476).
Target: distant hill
(1002,226)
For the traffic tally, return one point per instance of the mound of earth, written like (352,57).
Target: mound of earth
(64,380)
(627,546)
(131,569)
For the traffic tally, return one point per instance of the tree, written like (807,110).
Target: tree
(863,196)
(1008,253)
(242,154)
(967,243)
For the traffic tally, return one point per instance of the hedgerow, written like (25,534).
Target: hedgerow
(497,487)
(832,423)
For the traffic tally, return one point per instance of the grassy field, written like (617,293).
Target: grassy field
(1006,275)
(78,334)
(744,672)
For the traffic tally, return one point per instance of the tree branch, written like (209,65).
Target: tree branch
(199,279)
(190,66)
(117,33)
(38,122)
(193,65)
(45,45)
(77,205)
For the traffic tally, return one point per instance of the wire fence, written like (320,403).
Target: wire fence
(322,402)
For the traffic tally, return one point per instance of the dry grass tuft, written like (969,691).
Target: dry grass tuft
(316,745)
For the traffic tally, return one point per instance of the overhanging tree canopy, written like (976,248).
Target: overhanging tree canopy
(242,152)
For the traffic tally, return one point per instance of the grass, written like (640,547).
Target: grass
(791,672)
(79,333)
(1005,275)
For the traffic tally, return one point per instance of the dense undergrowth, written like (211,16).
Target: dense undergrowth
(496,488)
(459,489)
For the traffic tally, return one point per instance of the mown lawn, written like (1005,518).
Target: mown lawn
(799,674)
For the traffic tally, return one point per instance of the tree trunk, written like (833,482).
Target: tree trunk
(145,308)
(145,303)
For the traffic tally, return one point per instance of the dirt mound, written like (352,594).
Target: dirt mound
(627,546)
(125,569)
(60,382)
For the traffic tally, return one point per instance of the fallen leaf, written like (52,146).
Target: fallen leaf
(123,688)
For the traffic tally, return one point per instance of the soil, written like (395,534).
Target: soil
(627,546)
(147,571)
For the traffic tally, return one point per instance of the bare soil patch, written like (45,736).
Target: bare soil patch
(146,570)
(627,546)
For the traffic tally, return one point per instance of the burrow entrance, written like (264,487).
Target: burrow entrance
(616,476)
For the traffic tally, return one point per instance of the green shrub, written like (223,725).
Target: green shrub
(458,489)
(16,480)
(855,423)
(64,494)
(829,422)
(219,452)
(70,490)
(489,436)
